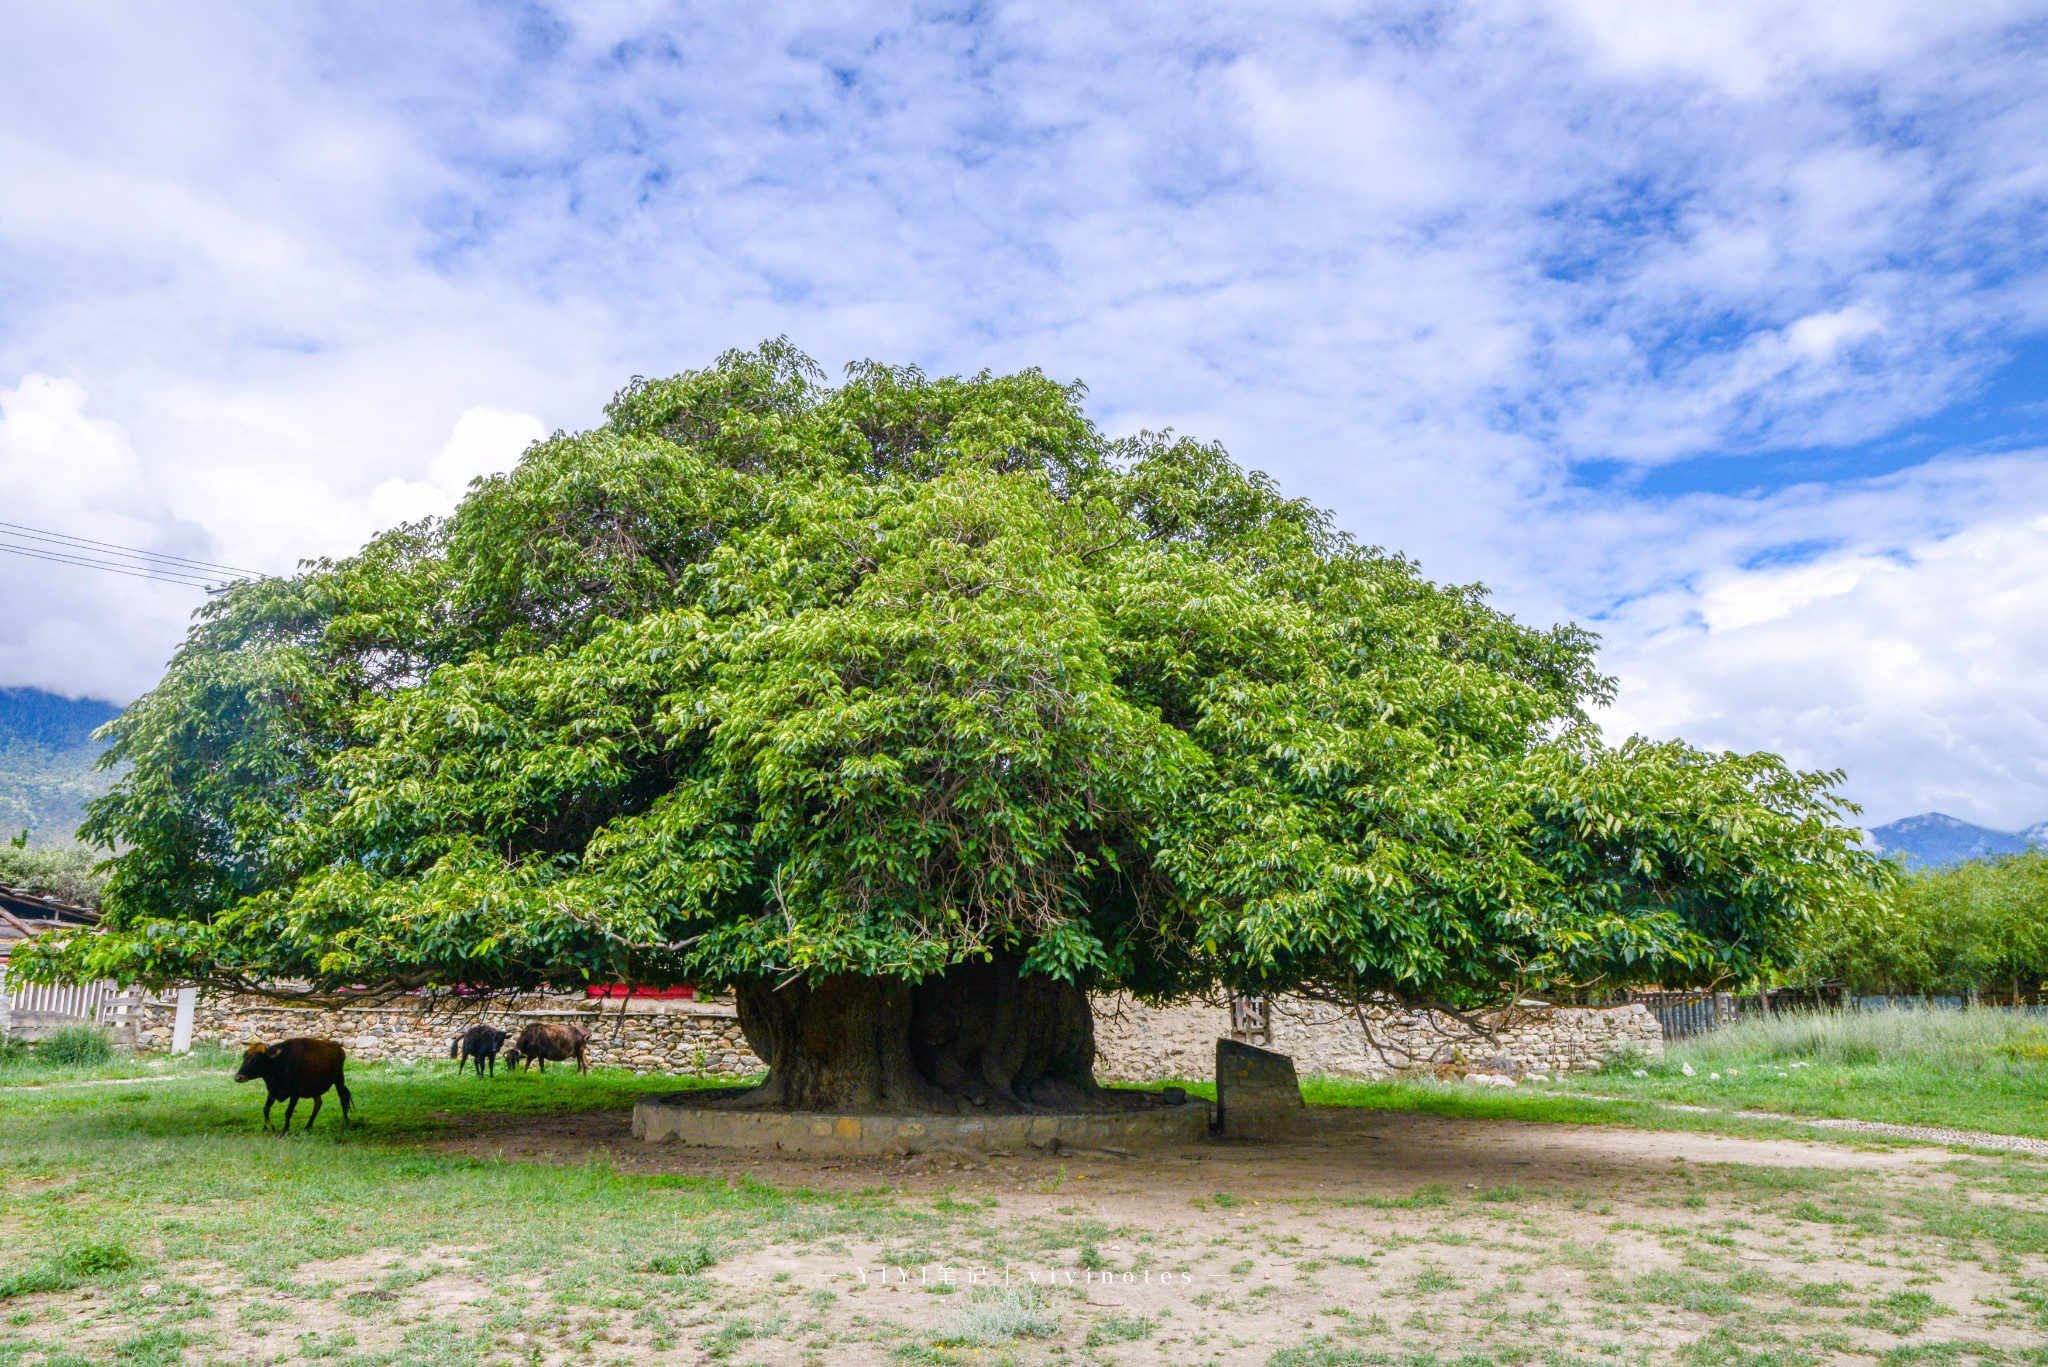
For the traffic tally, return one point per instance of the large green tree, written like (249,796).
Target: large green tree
(912,708)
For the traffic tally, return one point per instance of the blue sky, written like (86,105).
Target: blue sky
(2003,411)
(1720,327)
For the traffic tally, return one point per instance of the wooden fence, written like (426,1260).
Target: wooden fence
(1680,1014)
(1251,1021)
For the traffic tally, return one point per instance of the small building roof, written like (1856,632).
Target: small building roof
(24,913)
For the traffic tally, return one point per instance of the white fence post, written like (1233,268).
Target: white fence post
(181,1025)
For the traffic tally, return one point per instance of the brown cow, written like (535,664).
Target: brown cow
(294,1069)
(539,1041)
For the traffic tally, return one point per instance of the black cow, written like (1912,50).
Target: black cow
(480,1043)
(294,1069)
(543,1041)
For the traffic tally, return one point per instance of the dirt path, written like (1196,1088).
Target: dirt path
(1877,1129)
(92,1082)
(1919,1134)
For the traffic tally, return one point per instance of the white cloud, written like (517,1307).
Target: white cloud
(63,471)
(1911,655)
(484,442)
(1746,47)
(1415,260)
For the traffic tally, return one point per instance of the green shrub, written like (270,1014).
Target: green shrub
(1624,1061)
(690,1258)
(77,1046)
(73,1267)
(67,873)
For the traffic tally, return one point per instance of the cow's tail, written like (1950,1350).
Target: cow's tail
(454,1048)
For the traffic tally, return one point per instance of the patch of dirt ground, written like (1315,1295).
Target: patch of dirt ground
(1372,1233)
(1374,1237)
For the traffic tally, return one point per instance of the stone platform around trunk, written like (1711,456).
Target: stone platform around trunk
(681,1116)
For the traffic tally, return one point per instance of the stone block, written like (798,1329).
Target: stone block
(682,1117)
(1257,1093)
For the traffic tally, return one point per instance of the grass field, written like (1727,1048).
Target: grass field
(22,1066)
(1970,1070)
(149,1223)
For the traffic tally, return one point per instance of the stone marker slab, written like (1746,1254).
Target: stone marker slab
(681,1117)
(1257,1093)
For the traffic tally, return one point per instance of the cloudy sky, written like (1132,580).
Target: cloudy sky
(1721,328)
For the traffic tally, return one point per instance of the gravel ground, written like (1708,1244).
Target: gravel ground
(1924,1134)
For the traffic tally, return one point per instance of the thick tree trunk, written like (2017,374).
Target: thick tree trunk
(839,1044)
(979,1039)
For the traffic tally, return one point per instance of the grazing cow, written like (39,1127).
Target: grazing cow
(294,1069)
(543,1042)
(481,1043)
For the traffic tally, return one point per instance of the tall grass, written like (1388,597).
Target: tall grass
(1960,1039)
(1967,1070)
(77,1046)
(75,1266)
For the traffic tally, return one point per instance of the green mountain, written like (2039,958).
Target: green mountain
(46,762)
(1939,839)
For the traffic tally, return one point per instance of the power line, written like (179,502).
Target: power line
(64,549)
(39,534)
(102,565)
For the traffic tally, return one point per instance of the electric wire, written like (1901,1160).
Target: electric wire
(130,571)
(61,548)
(39,534)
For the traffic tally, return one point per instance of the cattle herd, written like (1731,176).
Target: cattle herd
(296,1070)
(537,1043)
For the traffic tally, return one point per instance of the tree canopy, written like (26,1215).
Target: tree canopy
(768,678)
(1976,926)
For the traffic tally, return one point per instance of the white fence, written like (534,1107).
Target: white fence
(33,1010)
(75,1001)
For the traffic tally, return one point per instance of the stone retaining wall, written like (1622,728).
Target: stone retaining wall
(1134,1042)
(699,1038)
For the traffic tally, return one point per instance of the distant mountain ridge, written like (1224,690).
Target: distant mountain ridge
(47,755)
(1937,838)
